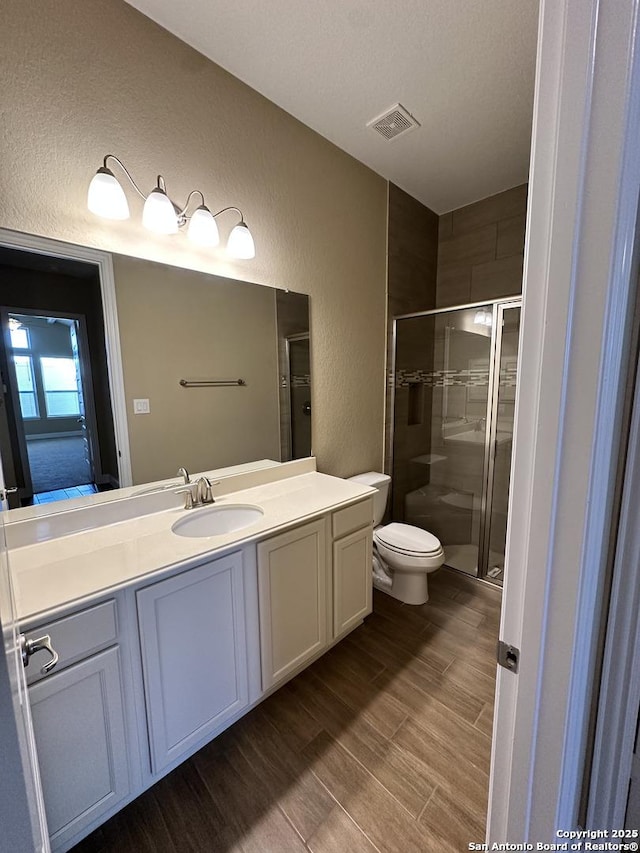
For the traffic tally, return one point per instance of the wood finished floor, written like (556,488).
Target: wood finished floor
(382,745)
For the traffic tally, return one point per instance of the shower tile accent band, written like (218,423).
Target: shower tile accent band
(470,377)
(300,381)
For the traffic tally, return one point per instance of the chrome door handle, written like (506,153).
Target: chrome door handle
(5,492)
(30,647)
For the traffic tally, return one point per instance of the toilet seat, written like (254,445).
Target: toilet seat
(408,540)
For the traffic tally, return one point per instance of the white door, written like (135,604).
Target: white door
(578,304)
(22,816)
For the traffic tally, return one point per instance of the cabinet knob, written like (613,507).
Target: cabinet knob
(30,647)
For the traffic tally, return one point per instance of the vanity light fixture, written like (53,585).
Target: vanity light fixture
(483,317)
(161,215)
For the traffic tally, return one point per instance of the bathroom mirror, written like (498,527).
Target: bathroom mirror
(216,373)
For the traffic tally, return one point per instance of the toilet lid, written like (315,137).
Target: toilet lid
(407,538)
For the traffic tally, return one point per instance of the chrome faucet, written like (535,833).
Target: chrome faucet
(182,472)
(198,493)
(204,493)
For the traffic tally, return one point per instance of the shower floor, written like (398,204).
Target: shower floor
(464,558)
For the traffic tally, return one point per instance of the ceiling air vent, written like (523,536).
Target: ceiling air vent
(394,122)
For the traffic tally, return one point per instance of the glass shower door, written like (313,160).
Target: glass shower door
(501,439)
(454,400)
(441,408)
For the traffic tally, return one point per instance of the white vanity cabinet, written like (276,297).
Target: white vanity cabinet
(194,655)
(153,670)
(352,531)
(292,594)
(79,722)
(314,586)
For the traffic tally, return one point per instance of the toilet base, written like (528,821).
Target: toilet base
(408,587)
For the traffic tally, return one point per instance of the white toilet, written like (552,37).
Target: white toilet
(403,555)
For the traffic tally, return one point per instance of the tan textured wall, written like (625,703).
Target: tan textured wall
(180,324)
(480,249)
(84,79)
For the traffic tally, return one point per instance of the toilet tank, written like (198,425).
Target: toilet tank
(381,483)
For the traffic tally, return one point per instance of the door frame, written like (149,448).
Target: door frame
(22,811)
(619,700)
(578,304)
(104,263)
(495,371)
(90,422)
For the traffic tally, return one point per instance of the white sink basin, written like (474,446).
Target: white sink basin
(214,520)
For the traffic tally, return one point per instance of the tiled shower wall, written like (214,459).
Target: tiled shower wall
(480,249)
(478,255)
(412,256)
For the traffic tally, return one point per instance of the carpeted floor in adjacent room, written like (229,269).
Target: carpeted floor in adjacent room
(58,463)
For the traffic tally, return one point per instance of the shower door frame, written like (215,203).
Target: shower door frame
(498,307)
(491,444)
(289,339)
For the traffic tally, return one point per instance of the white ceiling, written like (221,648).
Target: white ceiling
(463,68)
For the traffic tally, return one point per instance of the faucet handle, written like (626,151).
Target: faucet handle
(190,499)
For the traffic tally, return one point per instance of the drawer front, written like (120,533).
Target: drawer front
(352,518)
(75,637)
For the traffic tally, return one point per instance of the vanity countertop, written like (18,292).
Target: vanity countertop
(79,567)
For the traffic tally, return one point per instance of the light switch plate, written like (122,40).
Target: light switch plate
(141,407)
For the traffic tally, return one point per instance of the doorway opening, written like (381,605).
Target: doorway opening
(298,378)
(57,437)
(50,372)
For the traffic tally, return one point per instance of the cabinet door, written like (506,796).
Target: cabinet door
(194,659)
(79,727)
(352,580)
(292,589)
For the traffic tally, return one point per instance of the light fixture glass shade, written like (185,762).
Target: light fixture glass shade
(158,213)
(106,197)
(240,244)
(483,317)
(203,228)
